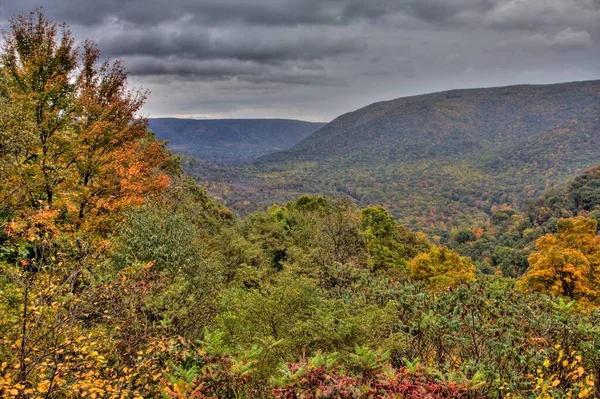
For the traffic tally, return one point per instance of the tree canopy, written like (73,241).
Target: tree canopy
(567,263)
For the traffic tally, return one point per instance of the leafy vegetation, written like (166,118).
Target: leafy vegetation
(121,278)
(566,263)
(504,243)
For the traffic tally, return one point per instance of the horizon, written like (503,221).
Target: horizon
(366,105)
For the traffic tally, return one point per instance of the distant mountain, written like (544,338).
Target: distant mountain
(447,124)
(435,160)
(231,140)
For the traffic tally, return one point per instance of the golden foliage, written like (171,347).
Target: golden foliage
(441,268)
(566,263)
(563,374)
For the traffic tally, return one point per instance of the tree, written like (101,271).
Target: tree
(73,156)
(441,268)
(567,263)
(71,140)
(38,92)
(383,239)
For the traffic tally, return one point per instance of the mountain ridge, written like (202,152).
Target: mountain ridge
(435,160)
(419,103)
(225,141)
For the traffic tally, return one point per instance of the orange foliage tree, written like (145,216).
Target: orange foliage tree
(73,155)
(71,140)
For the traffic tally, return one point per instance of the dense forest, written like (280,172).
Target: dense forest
(435,161)
(120,277)
(223,141)
(507,238)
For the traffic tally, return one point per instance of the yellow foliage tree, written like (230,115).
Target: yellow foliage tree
(566,263)
(441,268)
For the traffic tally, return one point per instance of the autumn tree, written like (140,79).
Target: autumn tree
(38,93)
(567,263)
(441,268)
(71,140)
(73,156)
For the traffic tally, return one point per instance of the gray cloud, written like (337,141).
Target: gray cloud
(316,59)
(251,72)
(245,44)
(261,12)
(502,14)
(567,39)
(186,69)
(535,14)
(570,39)
(449,11)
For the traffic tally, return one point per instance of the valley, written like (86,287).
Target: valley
(436,161)
(226,141)
(436,246)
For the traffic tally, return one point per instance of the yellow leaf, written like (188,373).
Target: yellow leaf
(585,393)
(555,382)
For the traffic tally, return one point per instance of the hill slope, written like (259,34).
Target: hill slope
(507,239)
(439,159)
(231,140)
(447,123)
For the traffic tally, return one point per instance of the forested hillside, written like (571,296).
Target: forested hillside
(122,278)
(435,161)
(506,240)
(231,140)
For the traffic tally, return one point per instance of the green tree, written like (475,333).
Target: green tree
(383,239)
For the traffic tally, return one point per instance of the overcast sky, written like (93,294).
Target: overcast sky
(317,59)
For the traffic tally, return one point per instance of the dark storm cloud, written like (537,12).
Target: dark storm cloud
(498,13)
(191,69)
(449,11)
(319,58)
(251,72)
(261,12)
(269,45)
